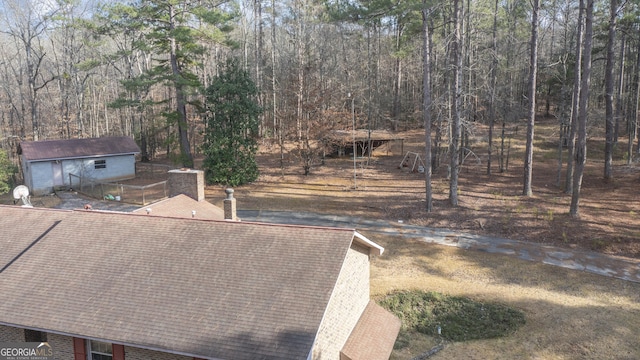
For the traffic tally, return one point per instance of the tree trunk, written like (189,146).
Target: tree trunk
(571,142)
(277,125)
(454,143)
(620,88)
(257,9)
(609,121)
(533,71)
(426,102)
(181,101)
(300,55)
(397,81)
(494,84)
(581,145)
(633,113)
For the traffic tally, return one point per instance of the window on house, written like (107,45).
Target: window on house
(99,350)
(34,336)
(100,164)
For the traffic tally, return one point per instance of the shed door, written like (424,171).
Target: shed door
(57,173)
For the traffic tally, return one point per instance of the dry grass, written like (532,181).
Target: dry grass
(570,314)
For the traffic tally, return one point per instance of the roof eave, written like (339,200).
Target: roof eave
(80,157)
(361,239)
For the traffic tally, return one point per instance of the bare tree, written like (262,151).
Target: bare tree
(258,44)
(72,51)
(533,72)
(573,122)
(634,103)
(25,22)
(581,145)
(609,122)
(277,122)
(426,102)
(456,106)
(493,83)
(300,52)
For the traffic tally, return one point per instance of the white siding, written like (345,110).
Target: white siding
(39,175)
(41,178)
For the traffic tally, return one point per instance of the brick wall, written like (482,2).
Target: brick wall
(187,181)
(62,346)
(349,299)
(132,353)
(11,334)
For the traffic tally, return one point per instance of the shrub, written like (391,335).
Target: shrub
(456,318)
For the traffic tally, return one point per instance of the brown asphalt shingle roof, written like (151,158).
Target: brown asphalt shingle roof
(77,148)
(183,206)
(374,335)
(234,290)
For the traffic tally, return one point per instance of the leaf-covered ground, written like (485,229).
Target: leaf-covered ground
(490,205)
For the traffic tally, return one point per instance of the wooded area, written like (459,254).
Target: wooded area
(80,68)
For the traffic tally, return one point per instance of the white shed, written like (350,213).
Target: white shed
(46,165)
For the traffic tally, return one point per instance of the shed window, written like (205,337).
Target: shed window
(100,164)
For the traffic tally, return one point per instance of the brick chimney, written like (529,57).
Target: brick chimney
(187,181)
(230,206)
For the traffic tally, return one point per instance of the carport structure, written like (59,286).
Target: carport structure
(342,142)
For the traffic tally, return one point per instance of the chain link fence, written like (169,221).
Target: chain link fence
(132,194)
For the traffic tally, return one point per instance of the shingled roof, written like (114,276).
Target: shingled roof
(373,336)
(182,206)
(77,148)
(210,289)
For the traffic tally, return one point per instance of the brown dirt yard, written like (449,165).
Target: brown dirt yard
(489,205)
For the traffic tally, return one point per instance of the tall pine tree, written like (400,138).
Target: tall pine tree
(176,32)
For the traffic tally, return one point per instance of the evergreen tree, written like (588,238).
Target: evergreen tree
(175,32)
(232,119)
(6,170)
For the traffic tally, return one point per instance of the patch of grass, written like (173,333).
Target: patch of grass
(497,194)
(453,318)
(598,244)
(506,220)
(408,339)
(549,216)
(550,154)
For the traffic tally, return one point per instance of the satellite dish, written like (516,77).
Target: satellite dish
(21,192)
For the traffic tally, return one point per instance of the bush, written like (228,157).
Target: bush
(458,318)
(7,169)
